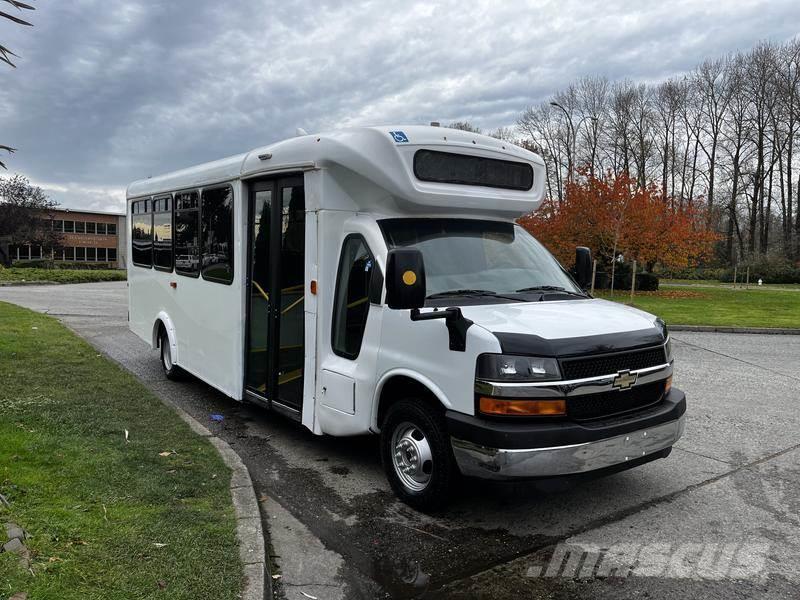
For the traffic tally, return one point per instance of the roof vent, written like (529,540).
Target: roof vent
(435,124)
(265,156)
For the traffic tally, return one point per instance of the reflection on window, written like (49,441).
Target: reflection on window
(141,235)
(162,233)
(217,234)
(352,297)
(187,234)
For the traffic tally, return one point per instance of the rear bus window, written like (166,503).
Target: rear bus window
(141,234)
(217,234)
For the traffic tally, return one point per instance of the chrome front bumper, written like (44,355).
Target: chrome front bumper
(496,463)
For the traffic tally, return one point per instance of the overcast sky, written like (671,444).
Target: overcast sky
(110,91)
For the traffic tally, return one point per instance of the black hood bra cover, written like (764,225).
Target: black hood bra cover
(526,344)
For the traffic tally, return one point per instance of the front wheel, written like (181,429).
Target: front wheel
(416,455)
(171,370)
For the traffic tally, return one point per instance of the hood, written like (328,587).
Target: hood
(567,327)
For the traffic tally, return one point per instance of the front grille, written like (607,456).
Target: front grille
(614,402)
(608,364)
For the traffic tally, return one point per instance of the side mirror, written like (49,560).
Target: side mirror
(583,266)
(405,279)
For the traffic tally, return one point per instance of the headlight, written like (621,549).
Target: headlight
(500,367)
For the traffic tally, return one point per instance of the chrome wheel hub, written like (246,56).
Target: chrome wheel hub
(412,457)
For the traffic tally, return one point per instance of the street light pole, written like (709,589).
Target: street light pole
(572,136)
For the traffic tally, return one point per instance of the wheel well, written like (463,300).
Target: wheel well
(158,327)
(399,387)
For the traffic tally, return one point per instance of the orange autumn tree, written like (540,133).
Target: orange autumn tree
(612,216)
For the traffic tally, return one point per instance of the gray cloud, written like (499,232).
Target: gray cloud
(111,91)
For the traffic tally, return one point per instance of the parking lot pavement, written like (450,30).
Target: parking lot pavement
(720,517)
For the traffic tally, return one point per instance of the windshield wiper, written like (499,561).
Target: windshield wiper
(467,292)
(551,288)
(450,293)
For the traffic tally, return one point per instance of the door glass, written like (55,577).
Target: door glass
(292,286)
(257,360)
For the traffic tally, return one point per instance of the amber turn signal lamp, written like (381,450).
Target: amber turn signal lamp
(314,286)
(531,408)
(668,385)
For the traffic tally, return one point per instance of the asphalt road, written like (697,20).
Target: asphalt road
(719,518)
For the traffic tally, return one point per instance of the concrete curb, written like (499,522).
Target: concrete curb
(257,584)
(715,329)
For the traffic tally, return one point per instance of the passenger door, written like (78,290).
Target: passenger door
(276,293)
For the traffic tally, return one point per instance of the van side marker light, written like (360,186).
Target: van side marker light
(173,285)
(314,286)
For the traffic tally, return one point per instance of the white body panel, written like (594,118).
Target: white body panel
(352,179)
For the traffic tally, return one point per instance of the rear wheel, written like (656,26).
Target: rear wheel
(171,370)
(416,455)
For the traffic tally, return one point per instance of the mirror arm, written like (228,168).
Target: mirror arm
(457,325)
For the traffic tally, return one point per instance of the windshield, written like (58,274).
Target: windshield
(465,256)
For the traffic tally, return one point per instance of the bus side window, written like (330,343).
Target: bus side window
(357,267)
(216,233)
(141,235)
(187,234)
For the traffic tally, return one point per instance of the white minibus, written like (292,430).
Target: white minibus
(374,281)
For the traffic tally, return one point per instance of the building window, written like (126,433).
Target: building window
(352,300)
(36,252)
(111,229)
(217,234)
(112,255)
(58,225)
(187,234)
(91,228)
(101,229)
(101,255)
(80,254)
(162,233)
(142,234)
(91,254)
(80,227)
(69,253)
(69,226)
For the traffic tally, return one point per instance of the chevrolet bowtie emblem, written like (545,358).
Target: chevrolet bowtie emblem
(624,379)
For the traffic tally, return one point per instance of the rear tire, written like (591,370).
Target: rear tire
(416,455)
(172,371)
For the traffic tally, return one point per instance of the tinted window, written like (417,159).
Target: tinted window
(187,234)
(80,253)
(351,307)
(141,235)
(90,228)
(58,225)
(162,234)
(101,228)
(464,169)
(69,226)
(69,253)
(101,254)
(112,254)
(80,227)
(217,234)
(111,229)
(91,254)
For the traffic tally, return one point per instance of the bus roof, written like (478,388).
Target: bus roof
(383,157)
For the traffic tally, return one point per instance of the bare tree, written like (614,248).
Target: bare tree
(6,54)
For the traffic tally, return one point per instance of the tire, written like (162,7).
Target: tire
(172,371)
(416,455)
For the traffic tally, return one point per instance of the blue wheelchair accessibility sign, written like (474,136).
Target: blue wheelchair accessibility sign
(399,136)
